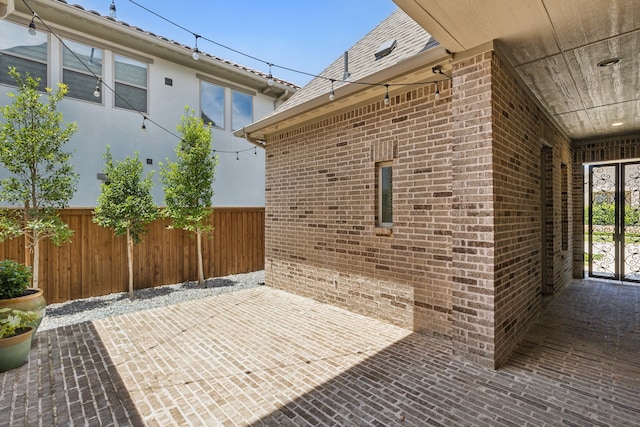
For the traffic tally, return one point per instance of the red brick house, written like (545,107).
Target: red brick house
(456,206)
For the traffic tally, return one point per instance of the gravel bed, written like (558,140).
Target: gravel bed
(82,310)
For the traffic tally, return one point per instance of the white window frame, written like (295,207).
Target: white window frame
(21,29)
(90,90)
(251,97)
(224,102)
(116,82)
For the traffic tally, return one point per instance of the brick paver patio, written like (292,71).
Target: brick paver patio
(266,357)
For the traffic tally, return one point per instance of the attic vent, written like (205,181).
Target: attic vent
(385,48)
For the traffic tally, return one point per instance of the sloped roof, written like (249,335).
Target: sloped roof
(410,37)
(159,40)
(365,70)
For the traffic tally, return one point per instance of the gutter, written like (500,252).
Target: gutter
(428,59)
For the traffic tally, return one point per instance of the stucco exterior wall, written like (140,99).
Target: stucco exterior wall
(238,183)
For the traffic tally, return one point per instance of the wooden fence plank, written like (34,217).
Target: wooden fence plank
(95,262)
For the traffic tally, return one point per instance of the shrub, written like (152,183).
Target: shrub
(13,322)
(14,279)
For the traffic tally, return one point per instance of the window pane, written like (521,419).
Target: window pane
(21,50)
(131,71)
(212,104)
(242,113)
(81,86)
(386,194)
(90,56)
(36,69)
(132,98)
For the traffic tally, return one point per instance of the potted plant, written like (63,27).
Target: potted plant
(15,337)
(15,293)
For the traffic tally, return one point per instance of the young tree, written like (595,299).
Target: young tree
(125,203)
(42,180)
(188,191)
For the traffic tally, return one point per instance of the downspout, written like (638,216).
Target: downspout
(282,97)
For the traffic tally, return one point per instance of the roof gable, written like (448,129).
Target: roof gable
(411,39)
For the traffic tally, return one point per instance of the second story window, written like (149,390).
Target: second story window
(242,113)
(76,58)
(212,104)
(27,53)
(130,84)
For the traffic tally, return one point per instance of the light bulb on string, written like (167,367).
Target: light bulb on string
(96,92)
(144,126)
(437,91)
(386,96)
(32,25)
(255,151)
(196,53)
(112,9)
(332,95)
(237,157)
(270,76)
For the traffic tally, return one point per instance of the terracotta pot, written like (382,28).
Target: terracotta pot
(31,300)
(14,351)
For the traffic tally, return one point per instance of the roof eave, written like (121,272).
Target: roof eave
(266,126)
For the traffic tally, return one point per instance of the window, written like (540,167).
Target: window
(76,58)
(384,190)
(29,54)
(212,104)
(130,84)
(242,112)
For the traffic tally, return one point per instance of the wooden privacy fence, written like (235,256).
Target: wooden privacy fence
(95,262)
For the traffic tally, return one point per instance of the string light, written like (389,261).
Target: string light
(237,157)
(96,92)
(112,9)
(437,91)
(255,151)
(270,76)
(32,25)
(144,126)
(196,53)
(332,95)
(386,97)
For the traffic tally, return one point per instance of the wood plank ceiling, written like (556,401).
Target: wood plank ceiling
(555,46)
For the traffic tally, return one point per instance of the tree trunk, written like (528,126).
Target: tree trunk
(200,267)
(36,264)
(130,261)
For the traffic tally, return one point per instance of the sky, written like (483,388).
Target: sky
(303,35)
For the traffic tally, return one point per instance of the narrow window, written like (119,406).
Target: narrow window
(242,109)
(212,104)
(76,58)
(130,84)
(384,186)
(27,53)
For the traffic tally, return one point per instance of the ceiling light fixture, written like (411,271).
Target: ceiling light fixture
(609,62)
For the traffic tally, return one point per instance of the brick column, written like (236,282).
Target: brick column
(473,206)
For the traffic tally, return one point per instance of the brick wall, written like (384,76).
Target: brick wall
(464,257)
(498,140)
(321,235)
(594,151)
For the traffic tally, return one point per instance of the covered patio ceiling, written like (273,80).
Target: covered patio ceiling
(565,51)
